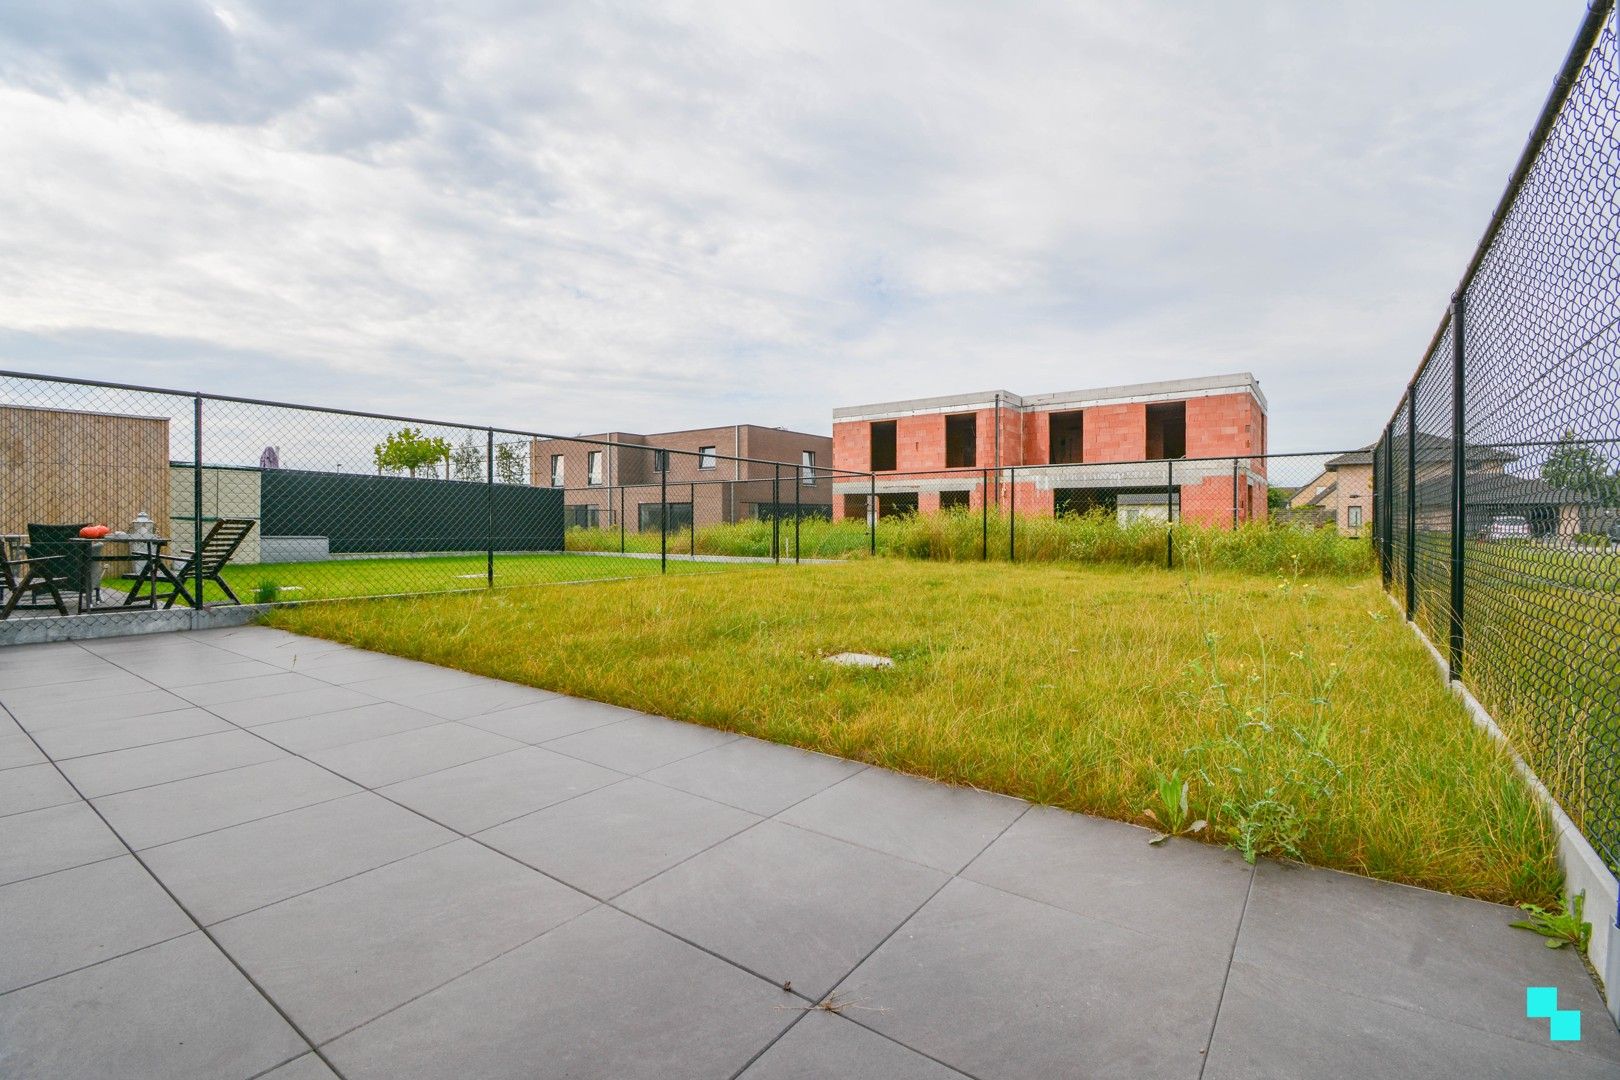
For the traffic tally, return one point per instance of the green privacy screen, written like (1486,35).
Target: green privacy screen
(360,513)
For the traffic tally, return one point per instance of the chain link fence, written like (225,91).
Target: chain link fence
(202,500)
(1498,476)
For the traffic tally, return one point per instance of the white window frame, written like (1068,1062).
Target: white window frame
(707,458)
(593,468)
(807,468)
(1353,516)
(559,469)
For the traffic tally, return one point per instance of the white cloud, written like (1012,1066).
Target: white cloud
(579,219)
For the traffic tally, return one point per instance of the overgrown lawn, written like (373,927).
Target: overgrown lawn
(1304,717)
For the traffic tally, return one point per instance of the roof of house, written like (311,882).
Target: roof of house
(1167,390)
(1499,490)
(1322,495)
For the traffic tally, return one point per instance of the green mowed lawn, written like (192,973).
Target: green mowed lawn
(345,578)
(1304,718)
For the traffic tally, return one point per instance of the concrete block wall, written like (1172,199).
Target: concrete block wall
(1115,432)
(1224,424)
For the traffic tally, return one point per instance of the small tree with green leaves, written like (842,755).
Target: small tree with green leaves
(1579,467)
(467,462)
(408,450)
(508,464)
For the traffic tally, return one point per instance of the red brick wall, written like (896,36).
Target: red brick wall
(852,445)
(1115,433)
(1225,424)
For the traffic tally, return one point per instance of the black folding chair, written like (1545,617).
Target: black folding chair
(36,577)
(180,572)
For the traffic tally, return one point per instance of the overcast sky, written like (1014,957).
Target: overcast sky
(580,217)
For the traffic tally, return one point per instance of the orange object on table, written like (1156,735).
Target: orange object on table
(94,532)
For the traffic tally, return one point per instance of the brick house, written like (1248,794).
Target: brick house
(1135,450)
(1340,495)
(604,476)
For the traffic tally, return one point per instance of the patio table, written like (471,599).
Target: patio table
(140,549)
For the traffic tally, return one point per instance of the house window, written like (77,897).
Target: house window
(706,459)
(650,515)
(1167,431)
(593,468)
(660,461)
(807,468)
(556,470)
(961,440)
(883,436)
(1065,443)
(953,500)
(1354,517)
(583,517)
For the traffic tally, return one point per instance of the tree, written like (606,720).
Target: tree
(408,450)
(1578,467)
(467,463)
(508,464)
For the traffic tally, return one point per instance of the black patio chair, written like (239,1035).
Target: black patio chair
(74,566)
(180,572)
(28,578)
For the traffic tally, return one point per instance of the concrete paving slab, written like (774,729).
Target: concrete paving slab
(475,699)
(1443,956)
(268,710)
(17,749)
(760,777)
(420,680)
(150,816)
(159,763)
(482,794)
(56,713)
(230,871)
(344,954)
(617,836)
(308,1067)
(254,686)
(823,1045)
(1002,987)
(220,667)
(67,920)
(22,699)
(929,823)
(176,1011)
(391,758)
(326,730)
(56,838)
(33,787)
(101,736)
(1274,1027)
(640,743)
(791,905)
(1107,870)
(603,996)
(542,721)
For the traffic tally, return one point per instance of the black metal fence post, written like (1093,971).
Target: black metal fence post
(1459,484)
(798,510)
(776,513)
(661,459)
(1411,501)
(1169,514)
(196,502)
(1234,494)
(691,524)
(984,514)
(871,515)
(1012,515)
(489,508)
(621,517)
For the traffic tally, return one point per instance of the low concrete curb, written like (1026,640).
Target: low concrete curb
(106,624)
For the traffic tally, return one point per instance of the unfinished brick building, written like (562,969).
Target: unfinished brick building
(1186,448)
